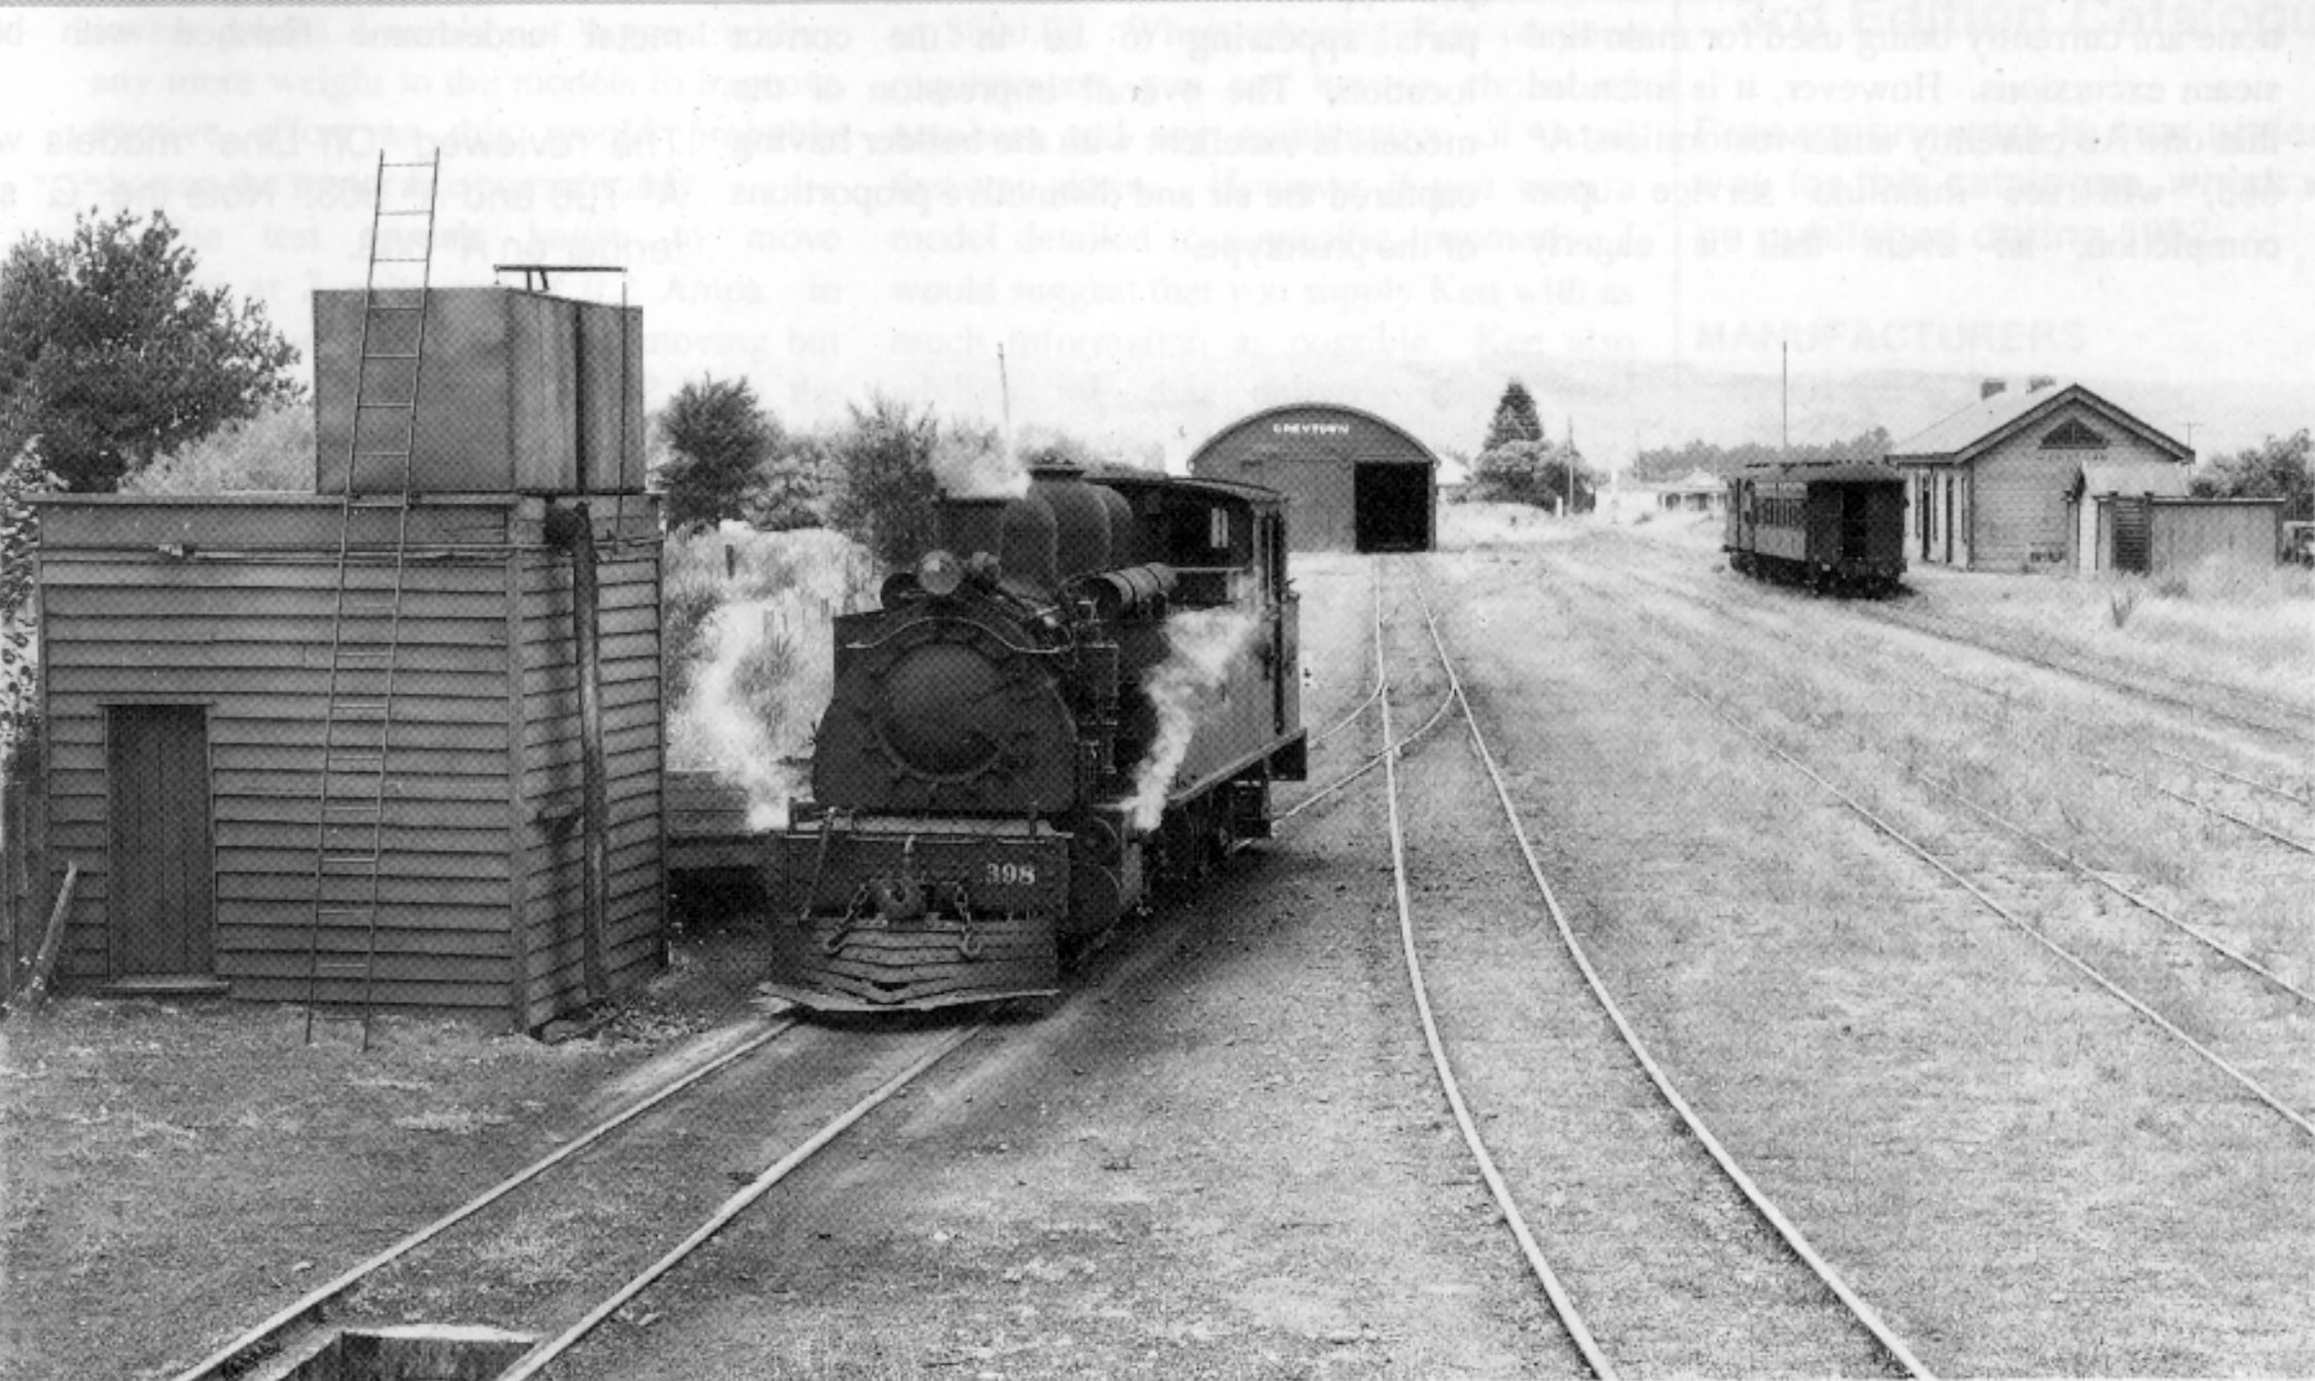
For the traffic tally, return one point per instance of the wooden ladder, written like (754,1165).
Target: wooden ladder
(366,622)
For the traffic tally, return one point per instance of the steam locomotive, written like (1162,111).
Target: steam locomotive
(1837,526)
(1075,695)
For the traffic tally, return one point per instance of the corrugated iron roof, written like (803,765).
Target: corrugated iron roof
(1955,432)
(1961,434)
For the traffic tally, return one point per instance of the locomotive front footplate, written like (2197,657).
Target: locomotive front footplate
(897,914)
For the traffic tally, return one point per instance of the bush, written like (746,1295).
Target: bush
(273,451)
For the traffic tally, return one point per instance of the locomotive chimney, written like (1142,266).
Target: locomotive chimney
(1990,387)
(973,525)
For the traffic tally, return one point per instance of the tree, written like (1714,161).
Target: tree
(2276,469)
(791,484)
(1565,479)
(1533,472)
(115,356)
(1515,419)
(21,476)
(271,451)
(718,436)
(1509,473)
(1664,462)
(886,488)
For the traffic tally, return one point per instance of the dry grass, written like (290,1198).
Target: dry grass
(2220,620)
(2035,771)
(1477,524)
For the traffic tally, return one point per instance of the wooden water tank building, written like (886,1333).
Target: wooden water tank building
(209,715)
(1352,481)
(186,646)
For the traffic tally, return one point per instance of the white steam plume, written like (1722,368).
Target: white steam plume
(1205,646)
(975,463)
(762,664)
(734,738)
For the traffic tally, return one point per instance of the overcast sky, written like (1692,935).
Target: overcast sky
(1171,216)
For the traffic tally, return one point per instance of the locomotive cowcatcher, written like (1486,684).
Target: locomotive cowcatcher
(1835,526)
(974,811)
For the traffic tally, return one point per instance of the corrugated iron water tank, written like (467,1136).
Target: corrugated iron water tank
(520,392)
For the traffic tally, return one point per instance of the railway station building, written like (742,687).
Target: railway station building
(1994,486)
(1352,481)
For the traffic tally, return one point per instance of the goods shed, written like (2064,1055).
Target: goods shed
(1352,481)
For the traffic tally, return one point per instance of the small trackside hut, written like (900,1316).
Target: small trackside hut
(263,711)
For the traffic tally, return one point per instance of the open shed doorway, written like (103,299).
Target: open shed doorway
(1391,507)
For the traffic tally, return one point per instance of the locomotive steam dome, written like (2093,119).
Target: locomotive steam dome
(1080,518)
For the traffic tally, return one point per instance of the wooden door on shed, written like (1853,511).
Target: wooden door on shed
(162,906)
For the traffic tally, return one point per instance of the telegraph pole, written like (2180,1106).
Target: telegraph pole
(1005,399)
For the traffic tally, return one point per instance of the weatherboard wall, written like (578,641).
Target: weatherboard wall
(552,786)
(226,606)
(2021,492)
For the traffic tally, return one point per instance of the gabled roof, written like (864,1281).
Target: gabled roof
(1961,436)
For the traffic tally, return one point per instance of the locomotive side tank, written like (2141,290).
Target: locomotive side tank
(1076,694)
(1837,526)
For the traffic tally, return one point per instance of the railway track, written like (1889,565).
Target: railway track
(1391,747)
(2275,1059)
(554,1348)
(1992,703)
(1710,1229)
(305,1327)
(1950,789)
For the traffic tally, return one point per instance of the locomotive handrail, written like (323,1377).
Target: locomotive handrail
(998,638)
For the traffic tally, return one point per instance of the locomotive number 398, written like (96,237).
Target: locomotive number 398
(1012,875)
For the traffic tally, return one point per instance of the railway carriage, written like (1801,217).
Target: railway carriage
(1078,693)
(1835,526)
